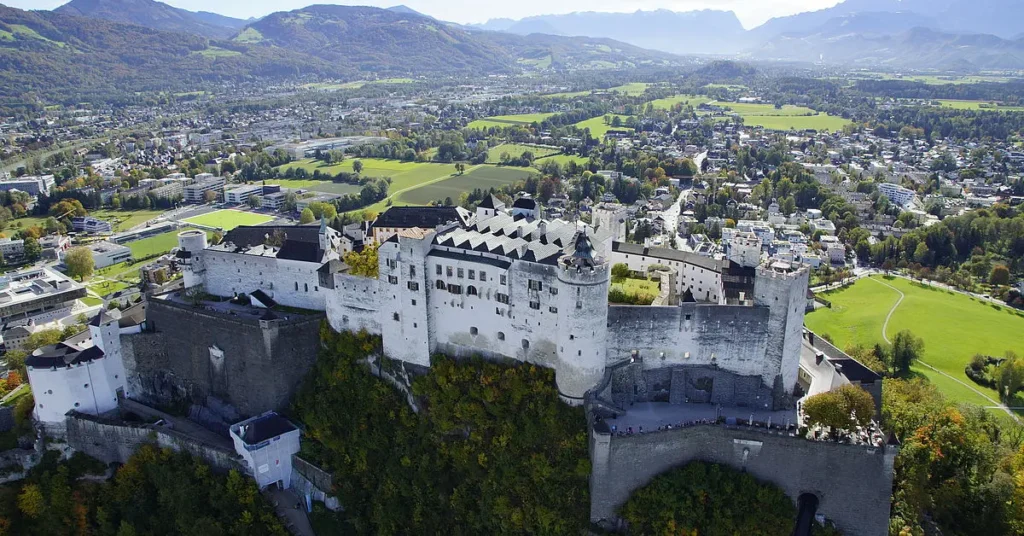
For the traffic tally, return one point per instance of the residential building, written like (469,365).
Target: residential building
(896,193)
(54,246)
(267,443)
(91,225)
(12,249)
(30,185)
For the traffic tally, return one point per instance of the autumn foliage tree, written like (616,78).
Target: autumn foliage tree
(841,409)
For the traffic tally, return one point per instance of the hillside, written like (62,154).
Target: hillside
(401,41)
(153,14)
(916,48)
(75,59)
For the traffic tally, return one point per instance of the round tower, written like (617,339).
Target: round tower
(191,244)
(583,279)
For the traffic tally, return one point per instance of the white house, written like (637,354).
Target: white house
(266,443)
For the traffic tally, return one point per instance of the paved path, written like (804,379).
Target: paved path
(885,328)
(295,519)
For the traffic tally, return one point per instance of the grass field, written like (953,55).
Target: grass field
(403,174)
(482,177)
(563,159)
(668,103)
(934,80)
(953,326)
(515,150)
(598,128)
(335,86)
(329,187)
(979,105)
(632,89)
(126,219)
(509,120)
(228,219)
(785,118)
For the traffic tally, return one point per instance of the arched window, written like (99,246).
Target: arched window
(441,285)
(501,335)
(526,344)
(473,331)
(471,290)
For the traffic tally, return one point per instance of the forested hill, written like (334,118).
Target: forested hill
(156,15)
(373,39)
(66,58)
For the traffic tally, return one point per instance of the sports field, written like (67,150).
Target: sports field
(598,128)
(228,219)
(515,150)
(953,326)
(329,187)
(522,120)
(483,177)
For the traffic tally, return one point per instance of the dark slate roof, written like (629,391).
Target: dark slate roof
(263,298)
(855,371)
(420,217)
(668,254)
(302,242)
(102,317)
(62,355)
(525,203)
(491,202)
(266,427)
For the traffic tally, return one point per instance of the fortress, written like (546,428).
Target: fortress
(723,346)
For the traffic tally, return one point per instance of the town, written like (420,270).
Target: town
(552,301)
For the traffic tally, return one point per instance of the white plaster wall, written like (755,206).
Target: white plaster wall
(57,391)
(271,462)
(355,304)
(404,312)
(703,283)
(583,328)
(290,283)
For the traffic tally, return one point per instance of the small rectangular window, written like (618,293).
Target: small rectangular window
(414,302)
(483,275)
(504,279)
(440,271)
(472,274)
(461,274)
(412,271)
(554,291)
(534,284)
(535,305)
(448,269)
(393,279)
(414,286)
(395,317)
(502,298)
(455,289)
(552,309)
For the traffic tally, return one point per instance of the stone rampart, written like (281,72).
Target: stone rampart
(115,441)
(853,483)
(187,355)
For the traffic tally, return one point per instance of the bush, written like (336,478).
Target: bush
(620,271)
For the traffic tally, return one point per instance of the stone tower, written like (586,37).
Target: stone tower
(105,331)
(191,244)
(404,300)
(583,279)
(782,288)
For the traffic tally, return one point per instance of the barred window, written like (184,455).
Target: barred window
(393,279)
(413,286)
(535,305)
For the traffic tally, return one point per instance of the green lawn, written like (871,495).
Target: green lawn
(515,150)
(509,120)
(979,105)
(563,159)
(483,177)
(953,326)
(668,103)
(403,174)
(785,118)
(228,219)
(632,89)
(598,127)
(126,219)
(106,288)
(636,287)
(329,187)
(157,245)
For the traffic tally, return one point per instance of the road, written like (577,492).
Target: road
(671,215)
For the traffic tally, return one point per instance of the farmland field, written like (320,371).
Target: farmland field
(515,150)
(482,177)
(598,128)
(953,326)
(632,89)
(228,219)
(563,159)
(334,86)
(522,120)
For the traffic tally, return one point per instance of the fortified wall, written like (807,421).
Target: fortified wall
(853,483)
(191,355)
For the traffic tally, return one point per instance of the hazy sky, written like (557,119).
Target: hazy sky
(750,12)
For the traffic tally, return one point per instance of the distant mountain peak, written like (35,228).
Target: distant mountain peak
(154,14)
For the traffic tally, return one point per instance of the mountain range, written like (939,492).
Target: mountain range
(156,15)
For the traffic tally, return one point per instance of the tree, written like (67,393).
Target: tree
(320,209)
(32,249)
(255,201)
(363,263)
(460,168)
(79,262)
(210,196)
(43,338)
(620,271)
(841,409)
(357,166)
(1000,275)
(905,349)
(1009,376)
(306,216)
(31,501)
